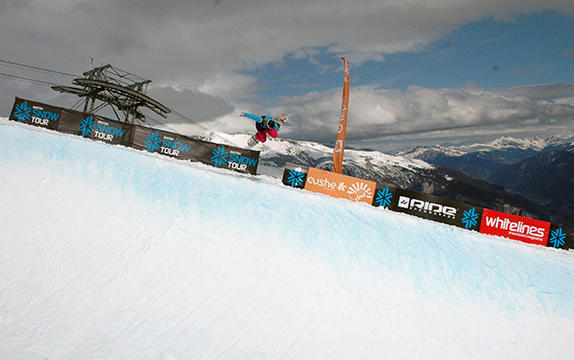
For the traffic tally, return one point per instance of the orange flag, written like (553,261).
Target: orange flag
(342,127)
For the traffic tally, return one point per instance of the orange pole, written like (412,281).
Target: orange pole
(339,149)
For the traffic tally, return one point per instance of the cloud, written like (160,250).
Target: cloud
(231,86)
(541,92)
(192,41)
(199,106)
(381,113)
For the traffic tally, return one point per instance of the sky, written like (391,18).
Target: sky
(422,72)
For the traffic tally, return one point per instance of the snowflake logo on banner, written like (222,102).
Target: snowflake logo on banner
(469,218)
(295,178)
(23,111)
(219,157)
(383,197)
(152,141)
(557,238)
(87,125)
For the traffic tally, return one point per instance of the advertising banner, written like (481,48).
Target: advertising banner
(99,128)
(515,227)
(139,137)
(35,113)
(340,186)
(226,157)
(429,207)
(184,148)
(386,197)
(295,175)
(438,209)
(560,237)
(161,142)
(95,127)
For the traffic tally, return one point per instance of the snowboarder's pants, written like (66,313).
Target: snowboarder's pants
(262,135)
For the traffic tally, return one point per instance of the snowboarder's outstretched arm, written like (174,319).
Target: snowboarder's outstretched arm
(257,118)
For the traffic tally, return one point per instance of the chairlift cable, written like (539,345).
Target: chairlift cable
(14,63)
(23,78)
(76,103)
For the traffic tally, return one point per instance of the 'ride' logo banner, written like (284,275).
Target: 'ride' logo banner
(436,208)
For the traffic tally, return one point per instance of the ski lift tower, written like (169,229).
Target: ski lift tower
(116,88)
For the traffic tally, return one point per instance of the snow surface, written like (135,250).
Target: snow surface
(112,253)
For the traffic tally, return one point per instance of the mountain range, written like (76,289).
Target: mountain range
(482,160)
(539,169)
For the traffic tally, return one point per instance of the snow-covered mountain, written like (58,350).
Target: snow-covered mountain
(547,177)
(501,144)
(400,171)
(539,169)
(481,160)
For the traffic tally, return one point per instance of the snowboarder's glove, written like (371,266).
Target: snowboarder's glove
(271,124)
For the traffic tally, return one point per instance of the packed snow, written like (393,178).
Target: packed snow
(112,253)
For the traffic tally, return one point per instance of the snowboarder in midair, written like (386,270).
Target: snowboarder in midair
(265,125)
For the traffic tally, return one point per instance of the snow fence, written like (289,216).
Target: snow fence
(114,132)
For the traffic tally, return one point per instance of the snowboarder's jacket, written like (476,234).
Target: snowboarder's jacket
(266,126)
(263,122)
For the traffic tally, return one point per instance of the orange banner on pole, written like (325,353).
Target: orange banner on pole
(339,149)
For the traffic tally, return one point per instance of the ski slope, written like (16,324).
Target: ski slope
(111,253)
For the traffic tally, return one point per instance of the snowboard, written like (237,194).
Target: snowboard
(252,141)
